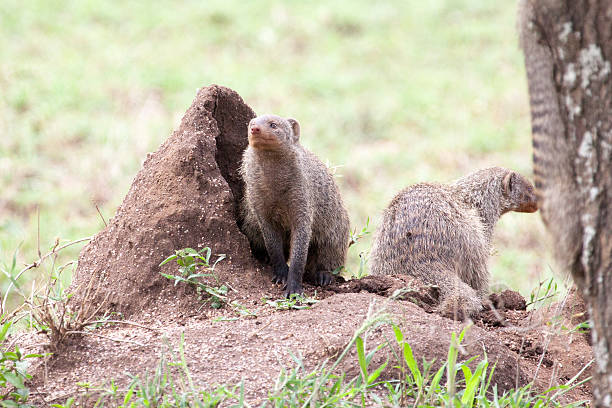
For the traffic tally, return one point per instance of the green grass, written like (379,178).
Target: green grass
(396,92)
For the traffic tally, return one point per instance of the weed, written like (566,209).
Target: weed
(49,308)
(13,372)
(584,327)
(550,290)
(473,389)
(189,261)
(361,271)
(295,301)
(356,236)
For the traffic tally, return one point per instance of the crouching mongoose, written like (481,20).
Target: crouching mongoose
(441,233)
(292,208)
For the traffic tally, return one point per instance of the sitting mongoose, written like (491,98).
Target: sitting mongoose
(442,233)
(292,208)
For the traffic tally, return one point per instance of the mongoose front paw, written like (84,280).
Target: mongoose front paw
(323,278)
(280,274)
(293,287)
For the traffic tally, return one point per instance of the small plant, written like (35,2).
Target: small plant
(549,289)
(356,236)
(422,388)
(13,372)
(361,272)
(294,301)
(49,308)
(584,327)
(189,260)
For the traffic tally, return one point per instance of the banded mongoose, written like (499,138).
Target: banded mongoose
(292,208)
(441,233)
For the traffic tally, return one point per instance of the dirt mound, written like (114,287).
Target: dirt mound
(184,196)
(254,350)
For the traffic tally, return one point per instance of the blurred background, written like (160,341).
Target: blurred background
(392,93)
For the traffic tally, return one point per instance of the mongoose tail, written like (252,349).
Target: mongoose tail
(554,184)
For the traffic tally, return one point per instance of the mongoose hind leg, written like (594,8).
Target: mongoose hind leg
(459,300)
(250,227)
(318,272)
(319,277)
(260,253)
(323,278)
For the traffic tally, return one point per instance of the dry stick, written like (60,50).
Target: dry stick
(101,216)
(104,337)
(38,231)
(37,263)
(123,322)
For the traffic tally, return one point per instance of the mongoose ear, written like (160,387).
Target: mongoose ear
(296,129)
(508,182)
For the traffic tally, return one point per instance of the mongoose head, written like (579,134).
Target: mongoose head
(518,194)
(271,132)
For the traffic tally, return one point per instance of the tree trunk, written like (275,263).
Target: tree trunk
(568,49)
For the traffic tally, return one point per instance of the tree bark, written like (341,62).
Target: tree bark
(568,49)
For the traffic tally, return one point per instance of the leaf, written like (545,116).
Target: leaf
(128,395)
(372,377)
(207,256)
(472,385)
(168,259)
(370,355)
(5,327)
(361,357)
(399,336)
(410,361)
(433,387)
(14,379)
(467,373)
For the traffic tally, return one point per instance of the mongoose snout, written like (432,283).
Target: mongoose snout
(261,134)
(520,193)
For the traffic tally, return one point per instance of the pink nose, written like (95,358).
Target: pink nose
(255,129)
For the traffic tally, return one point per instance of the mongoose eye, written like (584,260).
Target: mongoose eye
(273,125)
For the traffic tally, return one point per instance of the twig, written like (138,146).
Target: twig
(38,231)
(37,263)
(100,213)
(104,337)
(123,322)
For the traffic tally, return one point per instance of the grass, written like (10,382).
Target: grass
(396,92)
